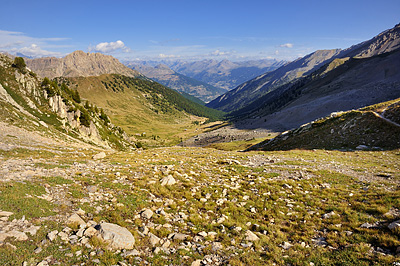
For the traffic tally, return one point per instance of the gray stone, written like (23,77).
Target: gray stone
(130,253)
(6,213)
(215,246)
(320,241)
(196,263)
(38,250)
(147,214)
(362,147)
(180,236)
(90,231)
(91,189)
(43,263)
(118,237)
(32,229)
(202,233)
(75,219)
(329,215)
(100,155)
(286,245)
(18,235)
(250,236)
(154,240)
(52,235)
(395,225)
(168,181)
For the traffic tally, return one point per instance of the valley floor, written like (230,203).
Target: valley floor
(195,206)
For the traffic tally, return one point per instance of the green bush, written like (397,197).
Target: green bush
(84,118)
(19,63)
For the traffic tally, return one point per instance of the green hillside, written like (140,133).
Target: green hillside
(148,111)
(52,108)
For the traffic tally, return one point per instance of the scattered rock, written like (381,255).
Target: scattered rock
(329,215)
(75,219)
(129,253)
(180,236)
(118,237)
(286,245)
(168,181)
(369,226)
(43,263)
(154,240)
(250,236)
(147,214)
(362,147)
(90,231)
(395,225)
(38,250)
(6,213)
(196,263)
(52,235)
(320,241)
(100,155)
(92,189)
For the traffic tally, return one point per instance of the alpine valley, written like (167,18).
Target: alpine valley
(174,162)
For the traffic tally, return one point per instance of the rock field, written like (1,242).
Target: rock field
(72,204)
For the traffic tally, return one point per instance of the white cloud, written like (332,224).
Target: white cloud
(286,45)
(18,42)
(108,47)
(168,56)
(220,53)
(34,51)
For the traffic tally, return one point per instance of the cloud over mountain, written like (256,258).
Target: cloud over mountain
(108,47)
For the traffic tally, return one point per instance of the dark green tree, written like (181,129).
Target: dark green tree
(19,62)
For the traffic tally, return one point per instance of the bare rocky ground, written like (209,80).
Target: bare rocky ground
(226,134)
(65,203)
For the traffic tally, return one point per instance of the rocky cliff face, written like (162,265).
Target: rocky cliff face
(79,64)
(25,100)
(70,119)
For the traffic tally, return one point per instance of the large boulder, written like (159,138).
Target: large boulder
(118,237)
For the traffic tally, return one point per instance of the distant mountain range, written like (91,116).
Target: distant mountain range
(167,77)
(224,74)
(204,79)
(318,84)
(79,64)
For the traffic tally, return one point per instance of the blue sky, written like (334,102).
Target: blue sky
(200,29)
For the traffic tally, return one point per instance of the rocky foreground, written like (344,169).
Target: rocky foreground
(75,205)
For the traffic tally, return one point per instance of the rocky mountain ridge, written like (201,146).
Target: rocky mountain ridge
(250,94)
(342,85)
(79,64)
(265,83)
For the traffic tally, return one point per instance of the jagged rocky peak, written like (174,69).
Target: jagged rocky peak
(79,63)
(387,41)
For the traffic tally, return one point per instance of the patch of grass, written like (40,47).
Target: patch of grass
(56,180)
(21,199)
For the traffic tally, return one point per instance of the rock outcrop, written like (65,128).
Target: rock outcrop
(79,64)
